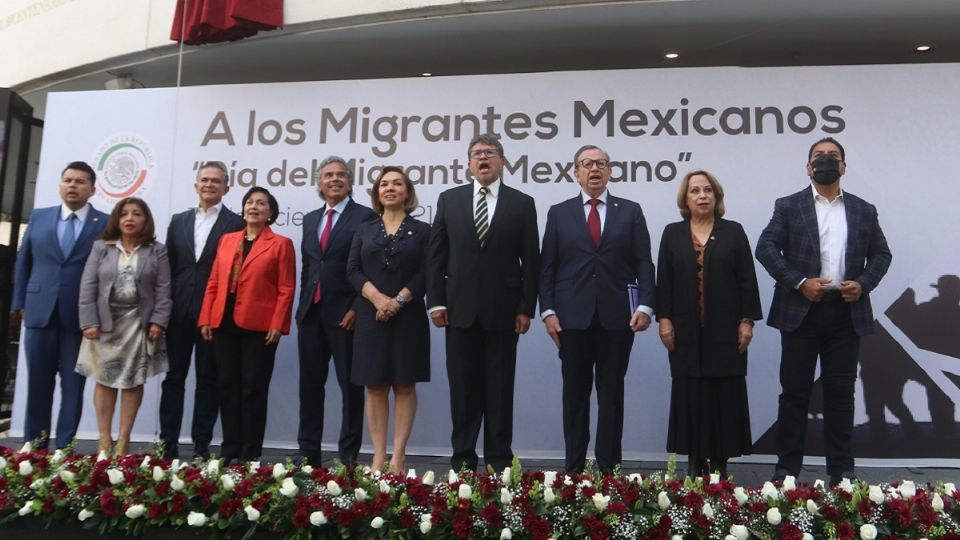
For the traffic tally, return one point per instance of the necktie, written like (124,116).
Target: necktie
(324,240)
(593,222)
(480,219)
(69,237)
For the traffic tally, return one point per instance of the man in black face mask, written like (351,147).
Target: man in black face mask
(826,251)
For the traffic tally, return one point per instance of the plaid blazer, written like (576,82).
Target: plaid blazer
(789,248)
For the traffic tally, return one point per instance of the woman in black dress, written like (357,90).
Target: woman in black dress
(391,338)
(707,302)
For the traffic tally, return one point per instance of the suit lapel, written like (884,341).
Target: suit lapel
(188,231)
(219,227)
(260,246)
(341,224)
(469,213)
(809,216)
(613,213)
(143,256)
(852,213)
(85,232)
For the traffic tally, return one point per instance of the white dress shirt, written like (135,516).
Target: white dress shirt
(77,224)
(203,221)
(337,211)
(492,197)
(832,225)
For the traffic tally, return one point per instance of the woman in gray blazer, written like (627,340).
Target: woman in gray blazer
(124,307)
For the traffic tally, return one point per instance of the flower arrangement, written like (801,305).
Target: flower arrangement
(135,493)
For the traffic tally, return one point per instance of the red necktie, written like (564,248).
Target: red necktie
(593,221)
(324,240)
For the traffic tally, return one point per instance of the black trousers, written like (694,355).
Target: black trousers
(481,366)
(245,366)
(317,342)
(583,354)
(826,332)
(183,338)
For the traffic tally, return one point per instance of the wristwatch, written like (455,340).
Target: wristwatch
(400,299)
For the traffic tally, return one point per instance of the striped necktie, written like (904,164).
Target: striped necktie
(480,218)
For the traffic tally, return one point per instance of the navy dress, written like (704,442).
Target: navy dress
(396,351)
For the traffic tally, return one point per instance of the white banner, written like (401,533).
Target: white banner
(751,127)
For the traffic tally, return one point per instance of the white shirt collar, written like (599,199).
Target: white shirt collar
(340,206)
(215,209)
(81,213)
(493,187)
(602,197)
(818,197)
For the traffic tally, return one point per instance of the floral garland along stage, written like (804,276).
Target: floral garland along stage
(134,493)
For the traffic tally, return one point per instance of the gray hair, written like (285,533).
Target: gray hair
(334,159)
(486,138)
(219,165)
(584,148)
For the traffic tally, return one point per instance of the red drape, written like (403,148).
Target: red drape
(210,21)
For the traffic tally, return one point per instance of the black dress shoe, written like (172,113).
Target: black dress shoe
(201,451)
(171,451)
(780,475)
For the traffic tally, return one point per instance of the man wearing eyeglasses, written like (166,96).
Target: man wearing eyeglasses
(482,268)
(594,245)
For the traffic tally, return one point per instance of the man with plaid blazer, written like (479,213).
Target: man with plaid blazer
(826,251)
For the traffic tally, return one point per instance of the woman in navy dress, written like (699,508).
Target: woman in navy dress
(391,338)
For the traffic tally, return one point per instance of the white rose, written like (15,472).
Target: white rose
(807,536)
(452,476)
(228,483)
(175,465)
(845,485)
(102,456)
(25,468)
(384,487)
(157,473)
(318,518)
(67,476)
(26,509)
(26,448)
(600,501)
(428,478)
(663,500)
(707,510)
(85,515)
(464,491)
(289,488)
(739,532)
(376,522)
(58,456)
(729,537)
(773,516)
(635,478)
(411,473)
(333,488)
(548,495)
(3,463)
(769,491)
(812,507)
(948,488)
(253,466)
(567,481)
(790,483)
(505,476)
(145,464)
(135,511)
(115,476)
(360,494)
(38,483)
(505,496)
(819,484)
(426,523)
(196,519)
(279,471)
(868,531)
(213,467)
(875,494)
(714,478)
(307,469)
(740,494)
(176,483)
(676,537)
(937,502)
(549,478)
(506,534)
(252,513)
(907,489)
(585,483)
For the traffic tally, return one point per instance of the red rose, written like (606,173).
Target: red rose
(492,515)
(156,511)
(844,531)
(300,519)
(789,531)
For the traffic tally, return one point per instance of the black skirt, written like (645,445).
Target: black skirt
(709,417)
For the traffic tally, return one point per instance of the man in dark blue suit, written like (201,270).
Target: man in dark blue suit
(594,245)
(46,293)
(326,313)
(826,252)
(192,239)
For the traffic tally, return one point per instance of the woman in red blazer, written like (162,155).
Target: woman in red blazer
(246,308)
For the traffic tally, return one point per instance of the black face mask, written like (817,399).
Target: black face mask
(826,169)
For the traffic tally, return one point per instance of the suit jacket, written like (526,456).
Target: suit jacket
(189,274)
(580,280)
(493,283)
(329,267)
(730,295)
(100,273)
(789,248)
(46,278)
(265,288)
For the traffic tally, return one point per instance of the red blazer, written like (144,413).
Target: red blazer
(266,285)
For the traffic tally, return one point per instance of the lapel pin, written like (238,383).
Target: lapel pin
(409,233)
(713,237)
(616,204)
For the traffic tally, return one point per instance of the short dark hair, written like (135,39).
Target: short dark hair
(489,139)
(584,148)
(831,140)
(219,165)
(112,230)
(411,201)
(81,166)
(271,200)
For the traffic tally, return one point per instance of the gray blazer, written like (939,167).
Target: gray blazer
(153,285)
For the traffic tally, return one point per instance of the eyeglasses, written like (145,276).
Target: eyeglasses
(484,153)
(589,163)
